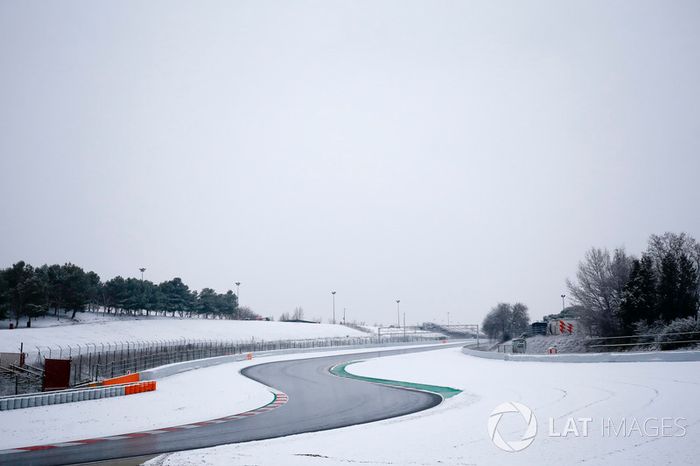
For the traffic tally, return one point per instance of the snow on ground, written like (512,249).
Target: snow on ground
(455,433)
(538,344)
(164,328)
(196,395)
(399,331)
(183,398)
(64,319)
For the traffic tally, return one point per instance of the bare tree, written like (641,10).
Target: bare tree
(245,313)
(520,319)
(600,282)
(505,321)
(298,313)
(675,243)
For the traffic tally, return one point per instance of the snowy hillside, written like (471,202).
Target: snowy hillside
(538,344)
(98,329)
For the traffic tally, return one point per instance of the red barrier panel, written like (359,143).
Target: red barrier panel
(56,374)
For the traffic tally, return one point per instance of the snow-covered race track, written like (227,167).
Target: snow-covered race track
(317,401)
(651,399)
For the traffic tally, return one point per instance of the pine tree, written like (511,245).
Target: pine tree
(630,306)
(687,288)
(649,298)
(639,295)
(668,288)
(177,297)
(207,302)
(23,291)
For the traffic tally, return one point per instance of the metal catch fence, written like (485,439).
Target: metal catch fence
(94,362)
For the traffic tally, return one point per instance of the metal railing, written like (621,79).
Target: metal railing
(652,341)
(644,342)
(94,362)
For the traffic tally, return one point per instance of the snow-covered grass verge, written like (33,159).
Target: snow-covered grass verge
(538,344)
(187,397)
(151,329)
(180,399)
(455,433)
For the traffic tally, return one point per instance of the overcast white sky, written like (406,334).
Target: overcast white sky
(452,154)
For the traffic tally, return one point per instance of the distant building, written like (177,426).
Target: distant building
(539,328)
(563,327)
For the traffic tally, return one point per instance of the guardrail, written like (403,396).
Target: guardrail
(647,356)
(147,378)
(94,362)
(622,343)
(176,368)
(74,395)
(653,340)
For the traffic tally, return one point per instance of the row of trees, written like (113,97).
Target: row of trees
(27,291)
(619,294)
(298,314)
(506,321)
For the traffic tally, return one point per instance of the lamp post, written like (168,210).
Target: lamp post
(238,294)
(398,313)
(404,326)
(142,270)
(333,293)
(563,306)
(343,316)
(448,321)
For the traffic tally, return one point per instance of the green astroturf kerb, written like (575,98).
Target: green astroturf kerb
(445,392)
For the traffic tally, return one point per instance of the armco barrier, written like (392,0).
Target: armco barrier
(108,360)
(650,356)
(178,367)
(147,378)
(70,396)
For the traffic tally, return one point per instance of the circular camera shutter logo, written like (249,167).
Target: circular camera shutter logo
(527,438)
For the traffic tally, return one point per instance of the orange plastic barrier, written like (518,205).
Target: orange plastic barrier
(249,356)
(128,378)
(141,387)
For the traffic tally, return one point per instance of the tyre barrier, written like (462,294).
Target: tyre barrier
(71,396)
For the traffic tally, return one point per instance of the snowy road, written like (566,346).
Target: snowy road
(317,401)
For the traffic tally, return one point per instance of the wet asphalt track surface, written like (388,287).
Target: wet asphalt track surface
(318,400)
